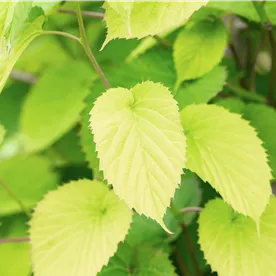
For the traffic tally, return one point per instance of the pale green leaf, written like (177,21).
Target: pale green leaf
(54,104)
(122,11)
(231,243)
(139,261)
(24,27)
(6,15)
(29,178)
(20,17)
(203,89)
(123,19)
(2,134)
(141,145)
(76,229)
(263,118)
(15,257)
(156,65)
(199,48)
(224,150)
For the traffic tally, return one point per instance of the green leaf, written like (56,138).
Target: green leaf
(140,261)
(224,150)
(188,195)
(141,145)
(270,9)
(263,118)
(34,62)
(87,138)
(29,178)
(234,105)
(50,111)
(2,134)
(22,30)
(144,230)
(69,141)
(235,247)
(10,106)
(203,89)
(15,257)
(246,9)
(77,228)
(146,44)
(124,20)
(241,8)
(199,48)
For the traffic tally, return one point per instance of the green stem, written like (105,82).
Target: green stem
(190,210)
(272,78)
(84,13)
(182,266)
(188,239)
(191,248)
(252,77)
(87,49)
(12,195)
(14,240)
(62,34)
(235,55)
(242,93)
(22,76)
(163,41)
(261,12)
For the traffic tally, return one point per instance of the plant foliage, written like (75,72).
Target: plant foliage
(137,138)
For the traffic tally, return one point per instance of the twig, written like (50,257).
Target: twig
(235,55)
(266,23)
(191,248)
(62,34)
(20,203)
(189,243)
(14,240)
(252,78)
(163,41)
(272,79)
(23,76)
(84,13)
(182,266)
(87,49)
(191,210)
